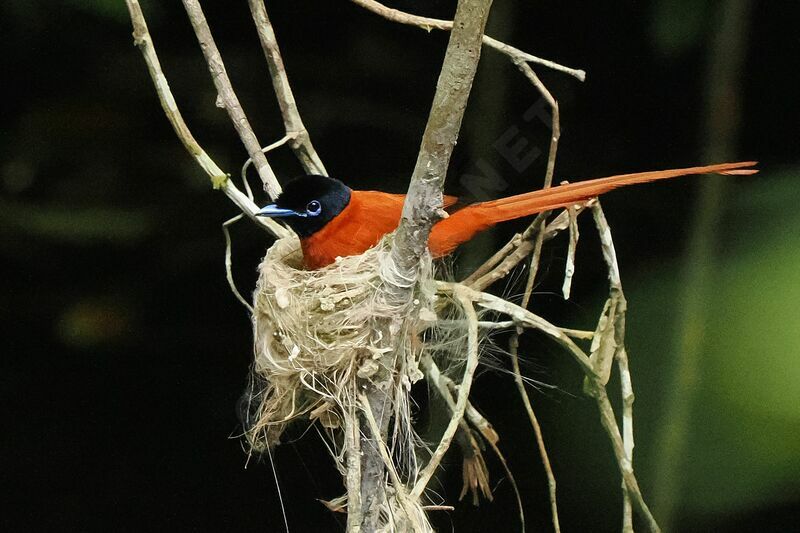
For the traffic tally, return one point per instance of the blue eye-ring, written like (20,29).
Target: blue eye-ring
(313,208)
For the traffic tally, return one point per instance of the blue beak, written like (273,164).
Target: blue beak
(273,210)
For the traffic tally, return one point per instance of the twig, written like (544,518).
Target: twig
(428,24)
(353,476)
(519,250)
(443,384)
(539,222)
(617,308)
(523,317)
(295,129)
(421,209)
(219,178)
(387,460)
(595,385)
(569,267)
(229,262)
(463,393)
(228,98)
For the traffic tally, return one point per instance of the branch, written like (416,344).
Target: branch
(228,98)
(422,207)
(295,129)
(518,248)
(219,178)
(463,393)
(595,384)
(428,24)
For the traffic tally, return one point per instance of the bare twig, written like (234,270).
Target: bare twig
(409,253)
(399,488)
(539,223)
(219,178)
(353,476)
(428,24)
(228,98)
(295,129)
(463,393)
(569,268)
(595,385)
(616,309)
(229,262)
(518,250)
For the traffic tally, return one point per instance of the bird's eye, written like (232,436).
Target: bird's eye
(313,208)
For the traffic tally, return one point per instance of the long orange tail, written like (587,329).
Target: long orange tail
(465,223)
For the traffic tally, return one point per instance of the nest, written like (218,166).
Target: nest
(315,336)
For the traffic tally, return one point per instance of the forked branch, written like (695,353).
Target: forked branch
(219,178)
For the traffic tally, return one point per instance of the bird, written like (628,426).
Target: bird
(332,220)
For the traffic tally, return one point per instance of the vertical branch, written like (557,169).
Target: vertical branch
(722,117)
(423,203)
(295,129)
(616,309)
(228,98)
(219,179)
(422,208)
(353,476)
(463,393)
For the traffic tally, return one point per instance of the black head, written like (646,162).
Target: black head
(308,203)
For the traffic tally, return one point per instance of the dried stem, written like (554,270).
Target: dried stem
(228,99)
(463,394)
(616,309)
(409,249)
(518,248)
(595,384)
(428,24)
(295,129)
(399,488)
(353,476)
(219,178)
(539,223)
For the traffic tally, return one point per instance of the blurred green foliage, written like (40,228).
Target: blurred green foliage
(679,25)
(743,449)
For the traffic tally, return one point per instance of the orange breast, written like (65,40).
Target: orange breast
(367,218)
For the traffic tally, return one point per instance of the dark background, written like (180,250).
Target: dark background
(124,353)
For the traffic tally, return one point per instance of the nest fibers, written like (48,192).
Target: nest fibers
(318,332)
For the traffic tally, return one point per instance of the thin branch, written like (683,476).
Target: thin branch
(513,350)
(522,317)
(353,476)
(463,393)
(428,24)
(569,267)
(596,387)
(422,207)
(219,178)
(519,249)
(616,310)
(539,223)
(229,262)
(295,129)
(228,97)
(399,488)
